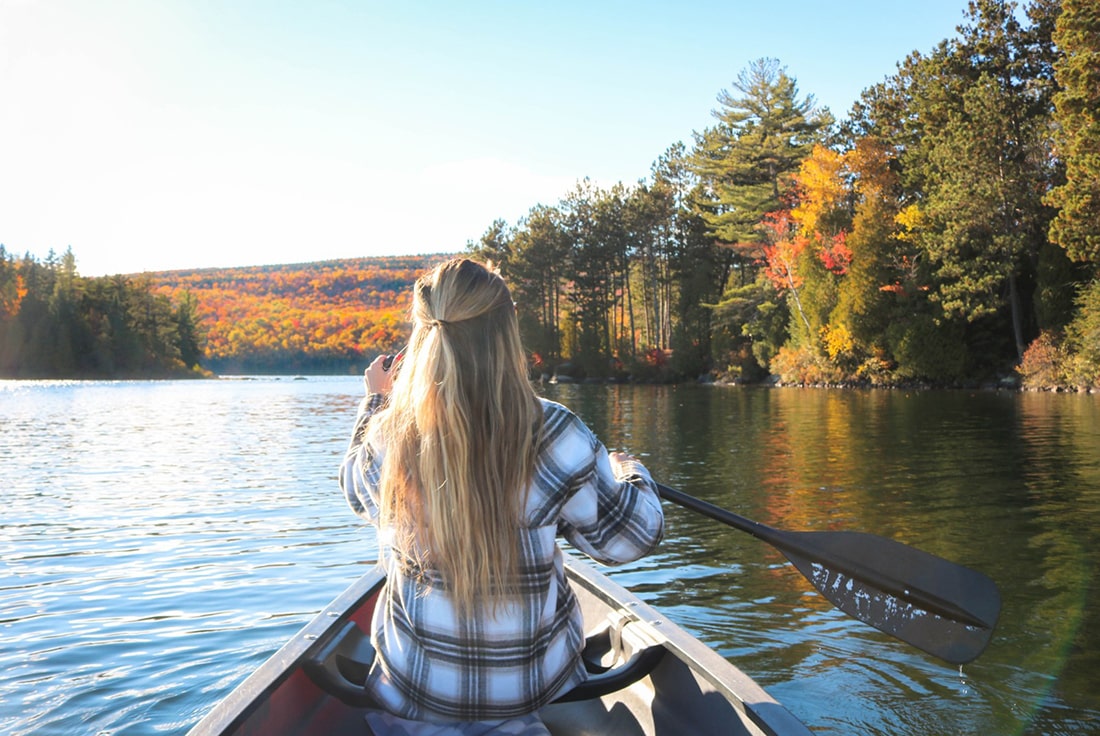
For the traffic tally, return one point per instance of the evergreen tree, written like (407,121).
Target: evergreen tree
(987,174)
(698,269)
(967,129)
(188,332)
(762,135)
(648,219)
(10,298)
(744,165)
(35,328)
(532,257)
(55,323)
(495,245)
(880,273)
(1077,113)
(593,222)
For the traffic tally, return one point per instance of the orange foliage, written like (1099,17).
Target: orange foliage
(782,248)
(346,308)
(9,304)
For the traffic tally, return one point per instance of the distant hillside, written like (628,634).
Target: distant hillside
(320,317)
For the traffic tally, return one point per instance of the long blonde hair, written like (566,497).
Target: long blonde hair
(460,431)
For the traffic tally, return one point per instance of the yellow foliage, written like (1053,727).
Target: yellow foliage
(822,183)
(837,340)
(911,220)
(801,366)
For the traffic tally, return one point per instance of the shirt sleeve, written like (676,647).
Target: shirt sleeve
(362,465)
(613,518)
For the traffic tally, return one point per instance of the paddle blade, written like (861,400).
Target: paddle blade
(936,605)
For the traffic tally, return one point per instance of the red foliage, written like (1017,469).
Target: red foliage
(835,254)
(655,358)
(782,248)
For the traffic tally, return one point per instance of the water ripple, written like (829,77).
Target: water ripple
(160,540)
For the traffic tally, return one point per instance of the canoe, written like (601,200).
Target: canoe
(647,676)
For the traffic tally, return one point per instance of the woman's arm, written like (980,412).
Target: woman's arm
(362,464)
(615,515)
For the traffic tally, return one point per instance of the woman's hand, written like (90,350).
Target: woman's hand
(378,377)
(622,464)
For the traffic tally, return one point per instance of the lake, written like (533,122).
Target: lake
(161,539)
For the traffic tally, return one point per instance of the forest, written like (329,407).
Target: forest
(947,232)
(55,323)
(326,317)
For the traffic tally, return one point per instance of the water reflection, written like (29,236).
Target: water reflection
(161,539)
(1005,483)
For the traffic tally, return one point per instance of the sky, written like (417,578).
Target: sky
(152,135)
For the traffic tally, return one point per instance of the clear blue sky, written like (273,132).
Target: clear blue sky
(166,134)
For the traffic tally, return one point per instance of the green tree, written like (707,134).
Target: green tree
(697,268)
(532,257)
(762,135)
(540,249)
(495,245)
(1083,339)
(744,165)
(10,298)
(593,222)
(189,337)
(752,324)
(885,301)
(35,325)
(1076,227)
(966,129)
(878,258)
(985,171)
(649,219)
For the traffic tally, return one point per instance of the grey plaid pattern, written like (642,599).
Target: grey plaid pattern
(435,665)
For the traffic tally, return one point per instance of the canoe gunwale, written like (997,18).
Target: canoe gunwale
(230,713)
(738,688)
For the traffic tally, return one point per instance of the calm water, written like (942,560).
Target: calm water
(160,540)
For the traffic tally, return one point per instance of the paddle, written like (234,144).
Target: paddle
(942,608)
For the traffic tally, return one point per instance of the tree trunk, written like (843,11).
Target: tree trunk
(1017,316)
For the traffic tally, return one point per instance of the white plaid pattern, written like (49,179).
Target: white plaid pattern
(434,665)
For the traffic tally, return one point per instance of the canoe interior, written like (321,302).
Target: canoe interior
(693,691)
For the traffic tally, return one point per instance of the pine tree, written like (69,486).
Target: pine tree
(762,136)
(1076,227)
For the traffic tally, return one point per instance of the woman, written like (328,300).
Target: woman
(469,476)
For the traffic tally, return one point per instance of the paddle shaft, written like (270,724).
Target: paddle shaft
(862,570)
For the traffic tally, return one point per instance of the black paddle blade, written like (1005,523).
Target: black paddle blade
(945,609)
(938,606)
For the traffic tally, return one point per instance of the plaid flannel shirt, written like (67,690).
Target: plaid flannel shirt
(435,665)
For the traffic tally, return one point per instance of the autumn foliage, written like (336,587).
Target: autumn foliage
(325,316)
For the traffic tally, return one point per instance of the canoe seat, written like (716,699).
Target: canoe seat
(604,680)
(341,664)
